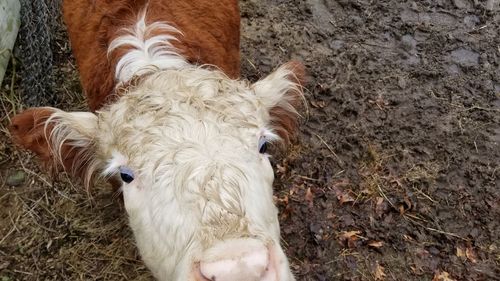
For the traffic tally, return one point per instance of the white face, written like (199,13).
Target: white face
(189,147)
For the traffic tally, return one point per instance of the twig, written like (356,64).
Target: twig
(23,272)
(14,222)
(383,194)
(330,149)
(307,178)
(36,175)
(253,65)
(480,108)
(425,195)
(494,171)
(435,230)
(416,217)
(8,234)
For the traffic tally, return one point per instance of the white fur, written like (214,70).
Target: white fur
(190,135)
(113,164)
(76,129)
(191,138)
(147,54)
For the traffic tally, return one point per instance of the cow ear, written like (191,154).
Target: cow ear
(59,138)
(281,94)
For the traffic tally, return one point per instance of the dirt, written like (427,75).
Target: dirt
(395,177)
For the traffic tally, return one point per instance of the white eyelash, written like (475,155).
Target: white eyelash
(268,134)
(114,163)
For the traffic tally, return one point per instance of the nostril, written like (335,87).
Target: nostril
(248,267)
(243,263)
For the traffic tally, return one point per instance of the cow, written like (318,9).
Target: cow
(183,136)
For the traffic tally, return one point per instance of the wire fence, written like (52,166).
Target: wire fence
(35,48)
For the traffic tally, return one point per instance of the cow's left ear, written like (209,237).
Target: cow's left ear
(58,138)
(281,94)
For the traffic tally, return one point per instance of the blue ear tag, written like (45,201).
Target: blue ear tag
(126,174)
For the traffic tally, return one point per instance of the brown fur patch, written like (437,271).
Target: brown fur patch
(211,36)
(28,130)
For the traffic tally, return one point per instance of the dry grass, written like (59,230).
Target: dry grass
(52,230)
(375,176)
(378,179)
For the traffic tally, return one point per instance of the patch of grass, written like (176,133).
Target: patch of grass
(375,176)
(425,172)
(379,180)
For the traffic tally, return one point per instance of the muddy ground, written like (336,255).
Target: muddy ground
(396,176)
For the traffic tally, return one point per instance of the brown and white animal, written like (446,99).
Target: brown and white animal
(169,117)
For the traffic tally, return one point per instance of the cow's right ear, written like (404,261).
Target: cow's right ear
(58,137)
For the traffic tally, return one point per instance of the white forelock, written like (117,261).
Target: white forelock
(147,53)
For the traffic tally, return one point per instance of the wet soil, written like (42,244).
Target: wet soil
(395,177)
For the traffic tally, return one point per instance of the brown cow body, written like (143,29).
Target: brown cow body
(206,39)
(212,38)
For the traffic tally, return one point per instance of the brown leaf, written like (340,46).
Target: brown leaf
(342,195)
(380,206)
(407,200)
(350,237)
(288,209)
(285,214)
(340,183)
(460,252)
(331,216)
(401,209)
(345,198)
(309,197)
(442,276)
(281,169)
(379,272)
(349,234)
(470,254)
(417,270)
(408,238)
(376,244)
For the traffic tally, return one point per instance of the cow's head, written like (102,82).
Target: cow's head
(190,148)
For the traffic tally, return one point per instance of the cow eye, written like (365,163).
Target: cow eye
(126,174)
(262,145)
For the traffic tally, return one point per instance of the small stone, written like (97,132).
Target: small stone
(471,20)
(493,5)
(16,179)
(453,69)
(401,82)
(434,251)
(461,4)
(474,232)
(464,57)
(408,42)
(336,44)
(497,88)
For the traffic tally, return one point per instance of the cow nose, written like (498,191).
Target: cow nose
(238,260)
